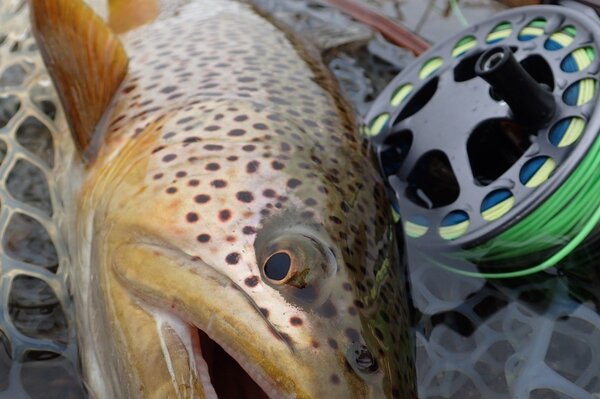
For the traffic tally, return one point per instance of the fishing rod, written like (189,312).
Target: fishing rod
(391,30)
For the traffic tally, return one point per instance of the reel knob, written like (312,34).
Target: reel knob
(531,103)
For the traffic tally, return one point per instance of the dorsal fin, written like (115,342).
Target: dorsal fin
(125,15)
(84,58)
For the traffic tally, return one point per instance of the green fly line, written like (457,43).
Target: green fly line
(569,215)
(456,10)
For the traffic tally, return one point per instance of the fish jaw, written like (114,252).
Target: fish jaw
(195,295)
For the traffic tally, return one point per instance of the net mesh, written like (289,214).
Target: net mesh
(532,338)
(38,354)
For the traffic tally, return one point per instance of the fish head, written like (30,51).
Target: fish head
(278,256)
(235,242)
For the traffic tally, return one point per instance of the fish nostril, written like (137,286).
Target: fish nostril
(361,358)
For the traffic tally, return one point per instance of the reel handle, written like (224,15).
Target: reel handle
(531,103)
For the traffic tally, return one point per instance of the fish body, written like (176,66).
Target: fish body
(232,235)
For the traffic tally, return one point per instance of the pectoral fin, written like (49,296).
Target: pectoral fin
(84,58)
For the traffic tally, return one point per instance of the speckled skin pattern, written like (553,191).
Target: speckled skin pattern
(226,144)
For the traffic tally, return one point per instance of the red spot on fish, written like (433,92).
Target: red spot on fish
(129,89)
(225,215)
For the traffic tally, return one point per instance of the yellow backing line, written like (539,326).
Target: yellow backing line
(430,67)
(498,210)
(455,231)
(542,174)
(377,124)
(574,131)
(400,94)
(414,230)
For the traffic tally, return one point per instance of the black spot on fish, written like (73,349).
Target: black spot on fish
(335,379)
(327,310)
(293,183)
(352,334)
(251,281)
(203,238)
(233,258)
(249,230)
(245,196)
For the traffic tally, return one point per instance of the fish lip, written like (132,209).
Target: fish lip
(260,379)
(263,381)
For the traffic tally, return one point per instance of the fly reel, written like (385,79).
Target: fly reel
(489,142)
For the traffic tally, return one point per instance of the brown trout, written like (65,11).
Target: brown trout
(230,233)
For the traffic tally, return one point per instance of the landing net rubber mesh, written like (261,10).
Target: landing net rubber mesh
(38,354)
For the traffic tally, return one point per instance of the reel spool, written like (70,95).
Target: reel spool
(489,142)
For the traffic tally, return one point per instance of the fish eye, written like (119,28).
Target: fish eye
(278,267)
(297,265)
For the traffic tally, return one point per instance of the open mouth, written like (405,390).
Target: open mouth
(227,376)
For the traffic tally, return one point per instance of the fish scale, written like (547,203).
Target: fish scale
(228,142)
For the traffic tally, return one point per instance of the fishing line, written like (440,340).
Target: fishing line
(458,13)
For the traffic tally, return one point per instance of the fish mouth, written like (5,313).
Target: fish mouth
(229,360)
(228,378)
